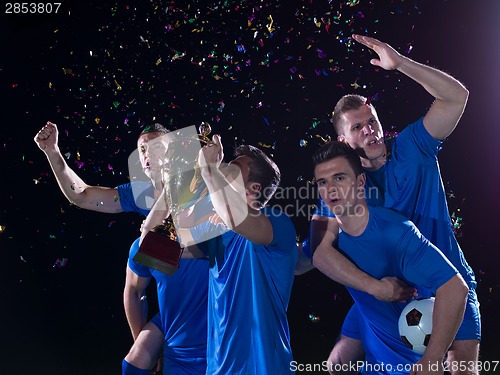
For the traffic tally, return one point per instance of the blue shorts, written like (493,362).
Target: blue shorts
(178,361)
(470,329)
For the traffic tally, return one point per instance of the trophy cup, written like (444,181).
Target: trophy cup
(182,184)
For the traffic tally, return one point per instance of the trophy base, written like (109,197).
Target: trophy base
(160,253)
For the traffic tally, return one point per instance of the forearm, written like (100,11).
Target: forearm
(159,212)
(304,264)
(449,307)
(323,233)
(71,185)
(229,203)
(136,310)
(337,267)
(439,84)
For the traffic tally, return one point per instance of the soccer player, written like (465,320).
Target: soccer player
(403,175)
(181,326)
(251,264)
(381,243)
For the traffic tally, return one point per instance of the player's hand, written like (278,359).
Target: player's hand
(46,138)
(392,289)
(388,57)
(212,154)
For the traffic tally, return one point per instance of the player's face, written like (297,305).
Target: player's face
(151,152)
(338,186)
(363,131)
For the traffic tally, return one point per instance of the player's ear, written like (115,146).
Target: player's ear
(255,187)
(361,180)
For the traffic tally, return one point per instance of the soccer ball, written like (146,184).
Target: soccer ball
(415,324)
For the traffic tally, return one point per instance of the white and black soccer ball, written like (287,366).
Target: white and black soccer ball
(415,324)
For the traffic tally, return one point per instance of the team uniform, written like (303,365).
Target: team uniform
(410,183)
(391,245)
(249,291)
(182,297)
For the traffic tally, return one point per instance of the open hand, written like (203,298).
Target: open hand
(389,58)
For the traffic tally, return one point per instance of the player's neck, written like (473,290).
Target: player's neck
(375,163)
(354,223)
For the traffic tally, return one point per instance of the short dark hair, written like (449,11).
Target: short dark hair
(263,171)
(346,103)
(154,128)
(335,149)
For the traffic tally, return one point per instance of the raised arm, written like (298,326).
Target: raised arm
(229,198)
(95,198)
(450,95)
(449,307)
(326,258)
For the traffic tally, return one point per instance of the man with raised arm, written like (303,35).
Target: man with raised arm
(402,175)
(180,327)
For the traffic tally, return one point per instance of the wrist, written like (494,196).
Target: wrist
(374,287)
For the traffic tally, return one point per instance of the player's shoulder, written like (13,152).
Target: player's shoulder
(390,219)
(275,214)
(279,220)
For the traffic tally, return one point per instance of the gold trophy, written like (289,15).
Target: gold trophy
(160,249)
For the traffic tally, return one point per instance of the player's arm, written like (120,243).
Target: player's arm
(449,307)
(326,258)
(159,212)
(450,95)
(134,301)
(304,263)
(229,199)
(95,198)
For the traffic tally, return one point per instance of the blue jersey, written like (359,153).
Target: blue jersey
(182,297)
(410,183)
(137,196)
(249,291)
(391,246)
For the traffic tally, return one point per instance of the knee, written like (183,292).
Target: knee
(463,358)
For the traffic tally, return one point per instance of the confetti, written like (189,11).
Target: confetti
(60,263)
(313,318)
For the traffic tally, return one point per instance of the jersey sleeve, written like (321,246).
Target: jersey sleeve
(415,143)
(422,263)
(136,196)
(284,234)
(139,269)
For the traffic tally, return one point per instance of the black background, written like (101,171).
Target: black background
(102,70)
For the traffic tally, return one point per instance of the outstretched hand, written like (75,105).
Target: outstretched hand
(388,57)
(46,138)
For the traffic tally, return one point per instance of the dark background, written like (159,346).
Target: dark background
(102,70)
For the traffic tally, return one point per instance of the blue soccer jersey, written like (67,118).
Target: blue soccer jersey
(410,183)
(182,297)
(391,246)
(249,291)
